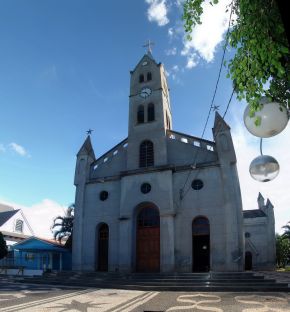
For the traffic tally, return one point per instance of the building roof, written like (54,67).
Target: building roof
(87,148)
(219,124)
(5,208)
(6,215)
(254,213)
(37,244)
(14,236)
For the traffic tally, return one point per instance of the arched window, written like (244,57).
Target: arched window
(140,114)
(149,76)
(19,226)
(146,154)
(141,78)
(151,112)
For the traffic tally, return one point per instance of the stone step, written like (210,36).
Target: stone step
(163,281)
(162,287)
(155,283)
(212,281)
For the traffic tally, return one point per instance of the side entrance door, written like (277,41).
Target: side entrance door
(200,245)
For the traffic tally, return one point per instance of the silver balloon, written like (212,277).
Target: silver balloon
(264,168)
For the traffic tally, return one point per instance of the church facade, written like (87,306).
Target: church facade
(161,200)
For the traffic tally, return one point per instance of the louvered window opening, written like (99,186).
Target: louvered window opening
(140,114)
(19,226)
(146,154)
(151,112)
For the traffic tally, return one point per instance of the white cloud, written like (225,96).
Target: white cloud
(40,215)
(170,32)
(157,12)
(171,51)
(2,148)
(192,60)
(209,34)
(20,150)
(175,68)
(277,190)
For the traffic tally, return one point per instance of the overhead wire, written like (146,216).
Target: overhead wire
(181,191)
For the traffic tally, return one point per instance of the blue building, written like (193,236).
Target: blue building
(37,255)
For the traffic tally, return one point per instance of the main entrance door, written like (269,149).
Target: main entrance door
(103,247)
(200,245)
(148,240)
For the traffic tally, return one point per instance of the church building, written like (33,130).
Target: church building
(161,200)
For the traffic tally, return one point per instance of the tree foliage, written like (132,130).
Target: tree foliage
(282,250)
(286,233)
(3,247)
(62,227)
(261,49)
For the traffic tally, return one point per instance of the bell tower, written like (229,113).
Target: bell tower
(149,113)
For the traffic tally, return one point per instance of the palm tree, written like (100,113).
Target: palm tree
(286,233)
(62,227)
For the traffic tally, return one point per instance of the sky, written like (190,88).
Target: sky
(64,68)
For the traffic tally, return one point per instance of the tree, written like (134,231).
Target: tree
(3,247)
(286,233)
(261,49)
(282,250)
(62,227)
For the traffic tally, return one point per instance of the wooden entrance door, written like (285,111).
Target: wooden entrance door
(200,245)
(148,240)
(103,247)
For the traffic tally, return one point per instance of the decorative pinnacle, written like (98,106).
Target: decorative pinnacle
(89,132)
(149,45)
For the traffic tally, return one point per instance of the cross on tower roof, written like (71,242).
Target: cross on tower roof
(148,45)
(89,131)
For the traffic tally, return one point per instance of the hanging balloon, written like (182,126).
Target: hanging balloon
(264,168)
(274,119)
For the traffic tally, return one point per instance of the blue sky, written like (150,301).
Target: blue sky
(64,68)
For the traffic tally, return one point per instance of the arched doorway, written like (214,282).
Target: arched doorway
(200,245)
(248,261)
(148,240)
(103,247)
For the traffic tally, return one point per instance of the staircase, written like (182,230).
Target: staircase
(212,281)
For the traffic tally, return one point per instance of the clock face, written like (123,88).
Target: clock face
(144,63)
(145,92)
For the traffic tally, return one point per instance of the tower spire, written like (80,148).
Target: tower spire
(149,45)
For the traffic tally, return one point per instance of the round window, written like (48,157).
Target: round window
(145,188)
(247,235)
(197,184)
(104,195)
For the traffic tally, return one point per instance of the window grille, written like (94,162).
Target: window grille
(146,154)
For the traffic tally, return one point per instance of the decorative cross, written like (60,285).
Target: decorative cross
(89,132)
(149,45)
(215,108)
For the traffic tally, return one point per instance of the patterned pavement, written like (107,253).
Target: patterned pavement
(16,297)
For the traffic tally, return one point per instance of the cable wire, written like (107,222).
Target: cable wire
(212,101)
